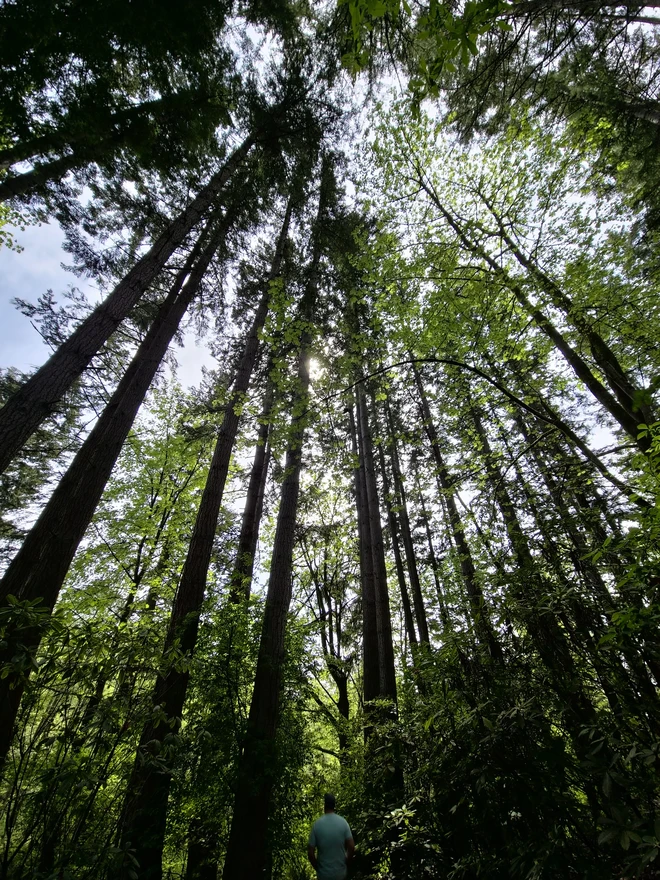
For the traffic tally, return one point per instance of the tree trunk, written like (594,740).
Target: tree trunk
(145,807)
(548,636)
(370,674)
(624,389)
(435,566)
(398,562)
(240,581)
(404,520)
(627,419)
(40,566)
(482,624)
(601,605)
(247,855)
(549,415)
(337,667)
(36,399)
(386,671)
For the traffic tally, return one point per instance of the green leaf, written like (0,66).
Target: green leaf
(377,8)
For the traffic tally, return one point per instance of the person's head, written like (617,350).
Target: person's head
(329,803)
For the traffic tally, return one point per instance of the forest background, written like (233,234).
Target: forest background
(400,540)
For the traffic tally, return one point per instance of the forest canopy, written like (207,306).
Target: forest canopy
(400,543)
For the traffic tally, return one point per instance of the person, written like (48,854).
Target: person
(330,846)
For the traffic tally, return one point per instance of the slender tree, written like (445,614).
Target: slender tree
(247,849)
(370,663)
(482,624)
(37,572)
(396,550)
(27,408)
(145,807)
(241,578)
(411,556)
(386,671)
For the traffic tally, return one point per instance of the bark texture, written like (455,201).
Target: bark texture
(370,665)
(38,570)
(241,577)
(37,398)
(247,851)
(145,807)
(386,671)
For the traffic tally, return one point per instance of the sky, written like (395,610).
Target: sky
(37,269)
(27,275)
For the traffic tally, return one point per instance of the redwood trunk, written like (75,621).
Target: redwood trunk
(36,399)
(40,566)
(370,666)
(247,850)
(386,671)
(145,808)
(241,578)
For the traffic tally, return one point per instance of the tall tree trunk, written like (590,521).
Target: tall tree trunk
(240,581)
(29,406)
(549,415)
(624,389)
(370,664)
(202,862)
(433,560)
(247,850)
(386,671)
(601,605)
(145,807)
(404,520)
(39,568)
(548,636)
(398,562)
(482,624)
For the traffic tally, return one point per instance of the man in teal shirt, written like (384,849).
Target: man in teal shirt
(330,846)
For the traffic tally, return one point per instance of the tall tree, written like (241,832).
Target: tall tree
(145,809)
(482,624)
(27,408)
(240,582)
(411,556)
(370,649)
(247,848)
(36,574)
(386,671)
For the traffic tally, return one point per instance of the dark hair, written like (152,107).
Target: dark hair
(329,801)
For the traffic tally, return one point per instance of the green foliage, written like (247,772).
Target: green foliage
(432,40)
(525,739)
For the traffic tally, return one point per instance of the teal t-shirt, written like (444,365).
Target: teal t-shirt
(329,835)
